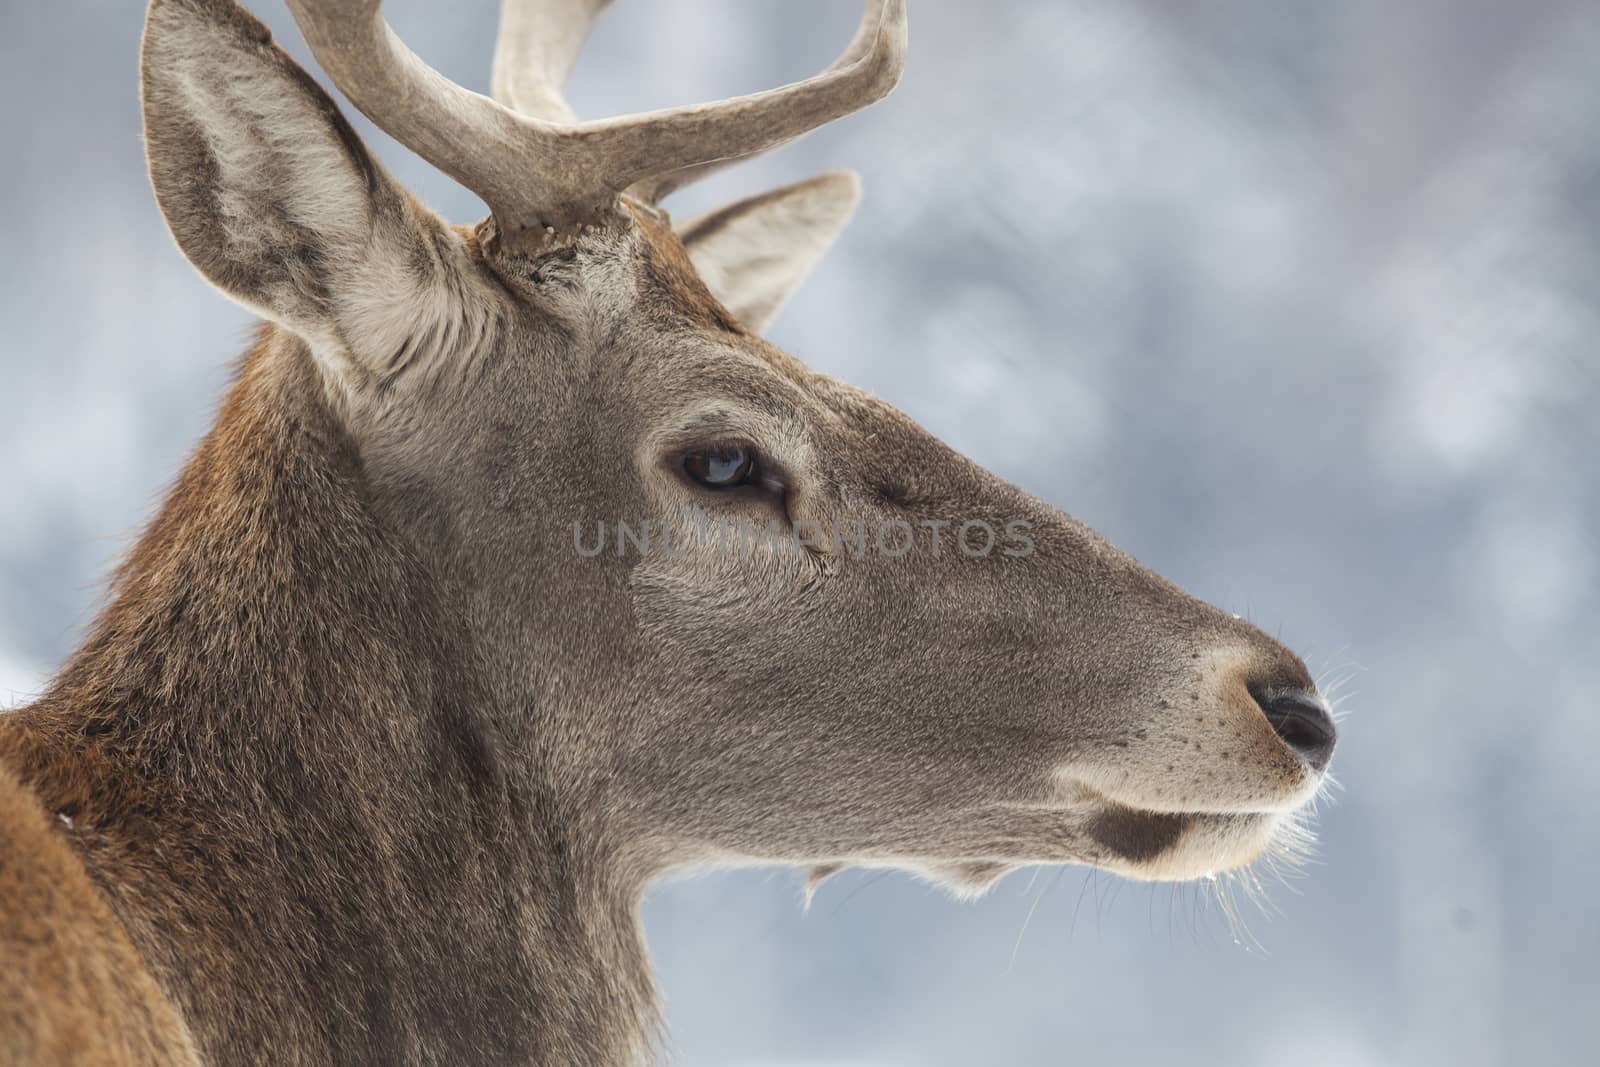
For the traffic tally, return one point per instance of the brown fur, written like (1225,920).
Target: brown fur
(272,757)
(72,987)
(669,278)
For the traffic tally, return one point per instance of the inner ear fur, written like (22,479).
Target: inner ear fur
(754,254)
(270,193)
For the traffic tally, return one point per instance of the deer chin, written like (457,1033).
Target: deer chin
(1167,847)
(1146,846)
(1150,840)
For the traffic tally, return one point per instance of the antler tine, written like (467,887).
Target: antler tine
(541,174)
(655,189)
(538,44)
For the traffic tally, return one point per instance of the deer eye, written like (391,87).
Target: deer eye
(721,467)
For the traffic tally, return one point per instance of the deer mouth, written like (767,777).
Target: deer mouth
(1139,836)
(1169,846)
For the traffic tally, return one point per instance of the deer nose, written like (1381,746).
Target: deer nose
(1301,719)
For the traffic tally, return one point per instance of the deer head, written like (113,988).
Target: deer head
(914,664)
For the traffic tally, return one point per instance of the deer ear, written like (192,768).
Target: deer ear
(272,196)
(754,254)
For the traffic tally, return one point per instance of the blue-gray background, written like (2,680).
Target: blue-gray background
(1297,301)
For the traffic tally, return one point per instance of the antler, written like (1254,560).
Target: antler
(658,187)
(539,171)
(535,53)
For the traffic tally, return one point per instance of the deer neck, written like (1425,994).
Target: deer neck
(277,758)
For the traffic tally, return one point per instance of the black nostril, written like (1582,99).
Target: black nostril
(1303,722)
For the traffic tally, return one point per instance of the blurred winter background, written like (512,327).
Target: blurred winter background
(1298,301)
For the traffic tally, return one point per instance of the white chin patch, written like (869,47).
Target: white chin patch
(1209,844)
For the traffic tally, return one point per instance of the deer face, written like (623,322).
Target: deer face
(791,624)
(749,611)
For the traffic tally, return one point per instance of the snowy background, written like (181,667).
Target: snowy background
(1297,301)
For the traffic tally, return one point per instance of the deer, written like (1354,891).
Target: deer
(362,761)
